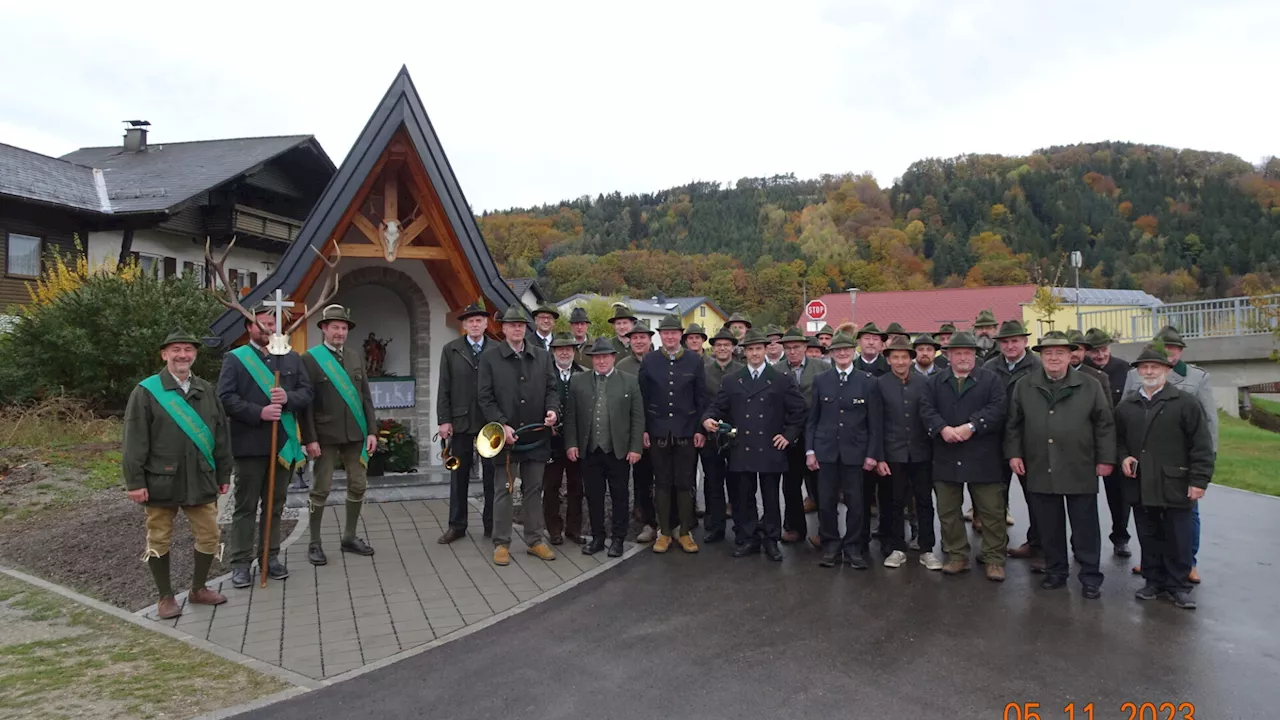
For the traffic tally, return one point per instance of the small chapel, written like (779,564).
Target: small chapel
(410,256)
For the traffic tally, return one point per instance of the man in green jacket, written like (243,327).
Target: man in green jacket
(1060,434)
(719,486)
(339,423)
(803,370)
(604,430)
(1168,462)
(1011,364)
(177,454)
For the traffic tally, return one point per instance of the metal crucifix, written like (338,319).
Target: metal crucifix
(279,344)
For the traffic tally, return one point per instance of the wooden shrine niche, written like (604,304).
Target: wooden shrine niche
(391,231)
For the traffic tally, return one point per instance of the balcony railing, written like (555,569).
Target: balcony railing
(250,221)
(1226,317)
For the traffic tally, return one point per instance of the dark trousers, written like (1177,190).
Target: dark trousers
(1033,525)
(717,487)
(792,484)
(558,470)
(916,482)
(1119,508)
(1086,537)
(1165,536)
(888,493)
(833,479)
(675,473)
(460,483)
(601,470)
(251,490)
(642,476)
(749,526)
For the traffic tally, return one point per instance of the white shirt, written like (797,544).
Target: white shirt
(932,369)
(184,384)
(1014,364)
(869,360)
(1143,391)
(544,339)
(565,373)
(844,372)
(755,371)
(476,345)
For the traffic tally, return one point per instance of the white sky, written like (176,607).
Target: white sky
(539,101)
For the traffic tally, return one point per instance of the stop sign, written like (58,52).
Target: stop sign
(816,310)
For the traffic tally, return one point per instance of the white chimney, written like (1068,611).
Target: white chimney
(135,136)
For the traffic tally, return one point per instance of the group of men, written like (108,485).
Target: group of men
(877,421)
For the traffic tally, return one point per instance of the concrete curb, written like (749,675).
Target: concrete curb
(1236,489)
(405,654)
(299,681)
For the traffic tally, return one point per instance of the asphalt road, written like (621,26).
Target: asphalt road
(708,636)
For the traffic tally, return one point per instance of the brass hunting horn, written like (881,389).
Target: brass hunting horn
(451,462)
(491,440)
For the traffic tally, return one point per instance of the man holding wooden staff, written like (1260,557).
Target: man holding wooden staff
(254,403)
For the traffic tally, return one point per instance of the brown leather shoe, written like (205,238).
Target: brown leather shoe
(1022,552)
(790,536)
(206,596)
(540,550)
(501,555)
(575,538)
(662,544)
(450,535)
(810,506)
(1194,576)
(1136,569)
(557,539)
(168,608)
(995,573)
(955,567)
(1037,564)
(687,544)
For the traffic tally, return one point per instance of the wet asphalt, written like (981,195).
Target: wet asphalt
(708,636)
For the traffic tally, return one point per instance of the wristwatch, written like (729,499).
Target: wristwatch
(972,429)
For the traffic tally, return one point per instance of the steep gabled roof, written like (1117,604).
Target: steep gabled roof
(520,285)
(400,108)
(28,175)
(164,175)
(925,310)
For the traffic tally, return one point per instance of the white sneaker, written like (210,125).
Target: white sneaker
(647,534)
(896,559)
(930,561)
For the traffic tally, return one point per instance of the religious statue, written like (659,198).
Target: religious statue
(375,355)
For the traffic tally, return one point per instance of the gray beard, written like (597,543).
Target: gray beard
(985,342)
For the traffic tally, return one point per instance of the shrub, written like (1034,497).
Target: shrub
(96,336)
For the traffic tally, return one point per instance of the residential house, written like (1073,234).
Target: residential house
(699,309)
(531,296)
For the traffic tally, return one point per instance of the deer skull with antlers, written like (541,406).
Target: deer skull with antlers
(279,344)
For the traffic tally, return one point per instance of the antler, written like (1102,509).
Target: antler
(327,292)
(231,301)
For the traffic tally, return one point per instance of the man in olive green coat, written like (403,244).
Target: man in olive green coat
(1168,453)
(339,423)
(604,430)
(1061,435)
(177,454)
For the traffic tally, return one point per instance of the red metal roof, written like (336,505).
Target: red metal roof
(925,310)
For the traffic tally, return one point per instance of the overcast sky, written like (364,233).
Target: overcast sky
(539,101)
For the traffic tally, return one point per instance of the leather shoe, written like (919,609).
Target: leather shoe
(575,538)
(501,555)
(713,537)
(541,551)
(1022,552)
(357,546)
(856,560)
(1037,565)
(316,556)
(1194,576)
(453,534)
(206,596)
(687,544)
(810,507)
(168,608)
(829,559)
(772,551)
(1122,550)
(240,577)
(1054,583)
(557,539)
(746,549)
(955,567)
(593,547)
(615,548)
(276,570)
(1092,592)
(790,536)
(995,573)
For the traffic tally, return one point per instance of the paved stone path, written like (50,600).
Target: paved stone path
(324,621)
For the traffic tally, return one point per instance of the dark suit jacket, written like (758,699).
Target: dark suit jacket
(1116,371)
(675,394)
(811,369)
(982,402)
(328,420)
(878,367)
(244,400)
(518,389)
(626,412)
(759,409)
(845,423)
(562,392)
(457,397)
(905,437)
(1093,372)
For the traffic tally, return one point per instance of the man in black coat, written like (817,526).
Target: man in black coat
(1116,370)
(908,455)
(769,413)
(460,418)
(253,406)
(1012,363)
(843,440)
(674,385)
(718,484)
(963,410)
(870,344)
(561,470)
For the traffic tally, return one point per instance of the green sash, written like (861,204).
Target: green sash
(342,383)
(177,407)
(291,454)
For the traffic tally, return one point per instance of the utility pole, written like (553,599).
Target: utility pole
(1077,259)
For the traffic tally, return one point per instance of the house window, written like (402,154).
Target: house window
(23,255)
(702,311)
(151,264)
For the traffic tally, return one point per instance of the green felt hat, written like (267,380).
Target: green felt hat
(475,308)
(754,337)
(871,329)
(794,335)
(602,346)
(774,332)
(947,328)
(961,340)
(563,339)
(178,335)
(514,314)
(926,339)
(724,334)
(546,309)
(1011,328)
(739,317)
(1152,353)
(900,343)
(641,327)
(578,315)
(671,322)
(896,329)
(1097,337)
(986,318)
(1078,338)
(336,312)
(622,312)
(842,340)
(1054,338)
(1170,336)
(695,329)
(826,329)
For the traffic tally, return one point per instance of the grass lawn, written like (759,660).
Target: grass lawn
(59,659)
(1270,406)
(1248,456)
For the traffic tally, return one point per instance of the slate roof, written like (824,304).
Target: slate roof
(167,174)
(1102,296)
(400,106)
(678,305)
(39,178)
(520,285)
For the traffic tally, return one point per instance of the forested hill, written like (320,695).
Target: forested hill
(1180,224)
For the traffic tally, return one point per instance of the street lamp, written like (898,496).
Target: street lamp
(1077,259)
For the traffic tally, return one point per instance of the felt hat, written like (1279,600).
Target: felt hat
(579,314)
(336,312)
(926,339)
(961,340)
(1011,328)
(622,312)
(547,310)
(1097,337)
(947,328)
(896,329)
(178,335)
(602,346)
(871,329)
(1170,336)
(641,327)
(814,342)
(900,343)
(794,335)
(695,329)
(1054,338)
(1152,353)
(754,337)
(514,314)
(671,322)
(842,340)
(986,318)
(1078,338)
(739,317)
(774,332)
(724,334)
(563,339)
(475,308)
(826,329)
